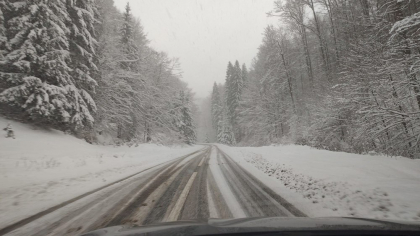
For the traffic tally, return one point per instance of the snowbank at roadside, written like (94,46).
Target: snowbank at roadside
(42,168)
(325,183)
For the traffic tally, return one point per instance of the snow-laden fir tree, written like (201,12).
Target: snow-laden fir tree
(228,81)
(38,67)
(187,127)
(121,94)
(49,52)
(225,133)
(216,106)
(82,45)
(4,8)
(128,46)
(109,96)
(182,117)
(234,92)
(244,75)
(128,68)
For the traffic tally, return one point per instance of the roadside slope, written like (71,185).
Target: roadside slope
(325,183)
(42,168)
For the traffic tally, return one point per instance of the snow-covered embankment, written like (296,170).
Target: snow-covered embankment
(325,183)
(42,168)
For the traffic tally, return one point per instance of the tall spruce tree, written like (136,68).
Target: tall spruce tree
(128,46)
(129,67)
(49,51)
(229,89)
(82,45)
(244,75)
(4,6)
(38,67)
(234,94)
(216,106)
(225,133)
(187,127)
(228,82)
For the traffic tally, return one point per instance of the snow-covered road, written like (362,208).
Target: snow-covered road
(203,184)
(55,184)
(217,181)
(43,168)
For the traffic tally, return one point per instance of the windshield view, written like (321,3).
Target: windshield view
(195,117)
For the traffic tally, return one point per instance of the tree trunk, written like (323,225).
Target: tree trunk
(334,34)
(322,46)
(395,95)
(289,78)
(307,55)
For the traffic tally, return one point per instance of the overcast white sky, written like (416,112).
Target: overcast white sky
(204,34)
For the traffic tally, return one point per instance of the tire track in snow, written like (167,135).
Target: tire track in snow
(29,224)
(201,185)
(255,197)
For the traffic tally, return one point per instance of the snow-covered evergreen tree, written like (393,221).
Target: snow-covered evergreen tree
(121,96)
(234,91)
(129,66)
(230,71)
(109,96)
(182,117)
(228,82)
(128,46)
(216,106)
(225,133)
(244,75)
(187,128)
(82,45)
(4,8)
(49,54)
(38,68)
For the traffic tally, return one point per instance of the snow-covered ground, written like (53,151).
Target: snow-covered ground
(42,168)
(325,183)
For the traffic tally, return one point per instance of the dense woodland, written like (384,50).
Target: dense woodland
(335,74)
(83,67)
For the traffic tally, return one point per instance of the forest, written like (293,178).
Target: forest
(333,74)
(85,68)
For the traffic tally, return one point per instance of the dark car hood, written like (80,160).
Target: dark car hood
(265,224)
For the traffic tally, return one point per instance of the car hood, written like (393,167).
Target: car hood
(260,224)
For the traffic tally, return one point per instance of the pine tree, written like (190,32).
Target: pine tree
(182,117)
(107,52)
(122,87)
(82,44)
(49,51)
(38,69)
(216,106)
(128,46)
(129,66)
(4,8)
(244,75)
(225,133)
(229,88)
(187,128)
(228,82)
(234,94)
